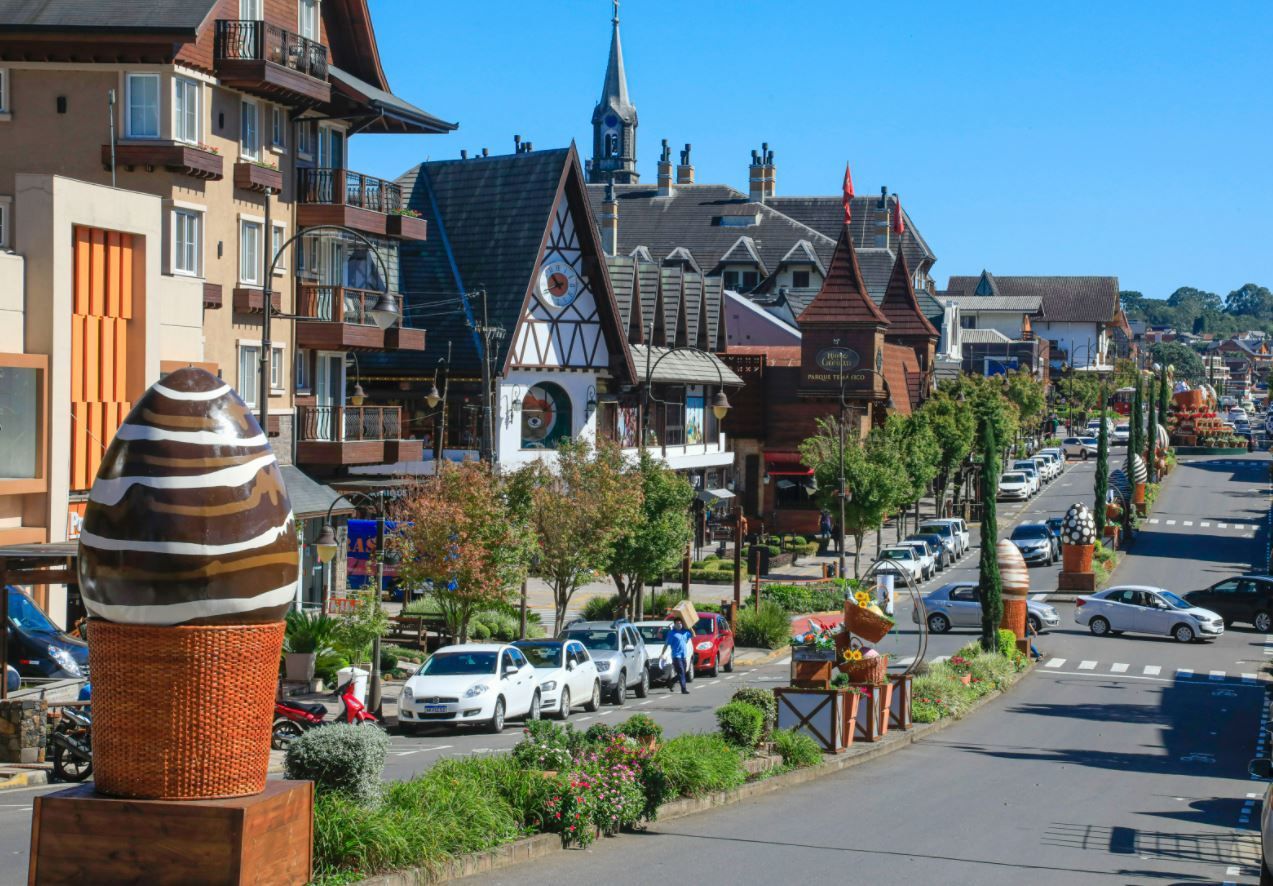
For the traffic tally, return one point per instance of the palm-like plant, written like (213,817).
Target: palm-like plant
(308,631)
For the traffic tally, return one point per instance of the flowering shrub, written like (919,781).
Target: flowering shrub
(544,746)
(959,665)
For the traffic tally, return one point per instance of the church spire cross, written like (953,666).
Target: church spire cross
(615,20)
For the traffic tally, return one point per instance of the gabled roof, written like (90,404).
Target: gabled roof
(901,370)
(826,215)
(1015,304)
(648,278)
(683,367)
(108,15)
(984,336)
(900,307)
(743,251)
(843,298)
(682,256)
(802,252)
(623,282)
(396,115)
(1064,299)
(986,285)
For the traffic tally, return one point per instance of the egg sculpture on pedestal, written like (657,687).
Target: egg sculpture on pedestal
(1078,538)
(1014,580)
(1140,476)
(188,563)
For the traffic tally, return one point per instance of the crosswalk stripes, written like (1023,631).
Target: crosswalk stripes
(1248,529)
(1120,667)
(1153,670)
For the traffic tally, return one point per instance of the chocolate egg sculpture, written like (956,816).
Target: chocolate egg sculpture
(1164,439)
(1078,527)
(1139,472)
(1118,480)
(188,563)
(1014,578)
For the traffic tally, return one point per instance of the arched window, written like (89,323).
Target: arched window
(546,416)
(611,144)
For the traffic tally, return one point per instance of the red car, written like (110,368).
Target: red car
(713,644)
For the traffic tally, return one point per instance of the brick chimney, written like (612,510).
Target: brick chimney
(685,171)
(609,217)
(760,179)
(665,171)
(771,173)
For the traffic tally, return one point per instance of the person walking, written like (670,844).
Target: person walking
(680,641)
(1032,635)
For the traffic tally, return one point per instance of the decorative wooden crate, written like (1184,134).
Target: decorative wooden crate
(825,715)
(899,711)
(811,668)
(872,718)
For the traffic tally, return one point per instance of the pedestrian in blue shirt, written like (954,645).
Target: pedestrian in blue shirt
(679,641)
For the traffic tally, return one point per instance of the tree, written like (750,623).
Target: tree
(991,588)
(1080,392)
(869,477)
(1186,360)
(1135,433)
(954,429)
(1151,428)
(1132,303)
(1250,300)
(578,512)
(914,442)
(460,534)
(656,540)
(1025,392)
(1101,487)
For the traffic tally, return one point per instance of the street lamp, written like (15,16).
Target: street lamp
(720,403)
(845,494)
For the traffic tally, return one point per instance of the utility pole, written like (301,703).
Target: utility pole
(489,334)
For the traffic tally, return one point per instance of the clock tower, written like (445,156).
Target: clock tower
(614,122)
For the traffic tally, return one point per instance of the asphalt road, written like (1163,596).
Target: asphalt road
(1119,760)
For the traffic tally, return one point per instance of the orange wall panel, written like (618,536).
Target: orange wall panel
(121,359)
(126,279)
(83,267)
(97,273)
(77,357)
(111,308)
(106,371)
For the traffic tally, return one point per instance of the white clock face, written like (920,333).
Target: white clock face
(558,286)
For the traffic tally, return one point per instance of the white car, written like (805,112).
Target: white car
(1047,467)
(1122,435)
(1080,447)
(478,683)
(1015,485)
(1031,470)
(567,675)
(927,563)
(1144,609)
(949,537)
(1055,459)
(659,661)
(959,527)
(904,557)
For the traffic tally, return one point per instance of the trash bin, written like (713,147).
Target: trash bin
(360,681)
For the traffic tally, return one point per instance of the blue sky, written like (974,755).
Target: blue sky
(1129,138)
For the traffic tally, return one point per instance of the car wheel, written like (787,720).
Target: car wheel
(564,712)
(938,623)
(1183,633)
(1099,626)
(1262,622)
(729,668)
(1084,455)
(620,694)
(496,725)
(535,703)
(1035,624)
(594,702)
(715,668)
(643,688)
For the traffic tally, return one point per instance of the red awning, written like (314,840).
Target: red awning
(786,465)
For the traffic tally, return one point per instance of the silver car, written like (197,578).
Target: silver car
(1144,609)
(619,653)
(958,605)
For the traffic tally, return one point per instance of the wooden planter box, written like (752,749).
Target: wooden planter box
(407,227)
(825,715)
(251,177)
(811,668)
(899,711)
(873,714)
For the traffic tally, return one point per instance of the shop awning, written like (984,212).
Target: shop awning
(713,495)
(786,465)
(311,499)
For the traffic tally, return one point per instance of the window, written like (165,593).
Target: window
(185,110)
(187,241)
(278,128)
(964,594)
(249,373)
(6,205)
(300,370)
(800,279)
(143,106)
(250,130)
(751,279)
(277,239)
(307,19)
(546,416)
(305,138)
(967,321)
(276,369)
(250,252)
(251,9)
(4,91)
(732,280)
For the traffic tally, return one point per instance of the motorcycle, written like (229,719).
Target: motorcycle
(292,718)
(72,740)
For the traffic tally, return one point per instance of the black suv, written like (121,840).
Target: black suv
(1246,598)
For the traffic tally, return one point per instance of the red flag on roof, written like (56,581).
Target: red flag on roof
(848,194)
(899,223)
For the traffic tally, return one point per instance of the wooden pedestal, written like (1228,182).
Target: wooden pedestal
(873,712)
(1083,582)
(825,715)
(80,836)
(811,668)
(899,712)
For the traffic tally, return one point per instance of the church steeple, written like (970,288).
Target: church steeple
(614,122)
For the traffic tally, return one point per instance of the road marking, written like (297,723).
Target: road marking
(1248,678)
(1188,523)
(1217,675)
(1153,670)
(1232,871)
(1204,524)
(581,719)
(1153,519)
(1118,668)
(1184,673)
(605,713)
(1086,665)
(1222,526)
(647,701)
(1171,522)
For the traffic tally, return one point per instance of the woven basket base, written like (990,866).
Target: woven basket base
(182,713)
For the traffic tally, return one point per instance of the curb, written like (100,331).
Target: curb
(541,845)
(771,656)
(30,779)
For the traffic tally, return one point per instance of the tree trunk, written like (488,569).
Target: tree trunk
(561,599)
(857,553)
(638,597)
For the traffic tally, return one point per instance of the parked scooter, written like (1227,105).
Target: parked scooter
(72,741)
(292,718)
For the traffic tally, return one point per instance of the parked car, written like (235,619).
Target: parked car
(1031,470)
(1014,485)
(1080,447)
(1144,609)
(942,555)
(1050,462)
(927,562)
(949,537)
(1054,526)
(961,527)
(471,683)
(904,558)
(958,605)
(713,644)
(658,655)
(38,647)
(567,675)
(1043,466)
(1058,458)
(1244,598)
(620,656)
(1036,543)
(1122,434)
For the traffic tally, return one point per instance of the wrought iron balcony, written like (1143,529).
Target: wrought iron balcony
(341,196)
(352,435)
(267,60)
(338,318)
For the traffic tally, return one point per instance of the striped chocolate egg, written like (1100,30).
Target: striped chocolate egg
(1164,439)
(1139,472)
(1014,578)
(188,521)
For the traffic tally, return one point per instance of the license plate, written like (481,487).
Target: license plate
(435,709)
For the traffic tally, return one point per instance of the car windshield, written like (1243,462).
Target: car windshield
(653,633)
(1031,531)
(26,616)
(1173,600)
(1012,478)
(451,664)
(939,529)
(1088,441)
(546,655)
(705,625)
(1024,465)
(898,554)
(606,641)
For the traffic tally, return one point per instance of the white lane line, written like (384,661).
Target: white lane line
(1184,673)
(1087,665)
(1204,524)
(1235,684)
(605,713)
(1222,526)
(1171,522)
(1232,871)
(1118,668)
(1153,670)
(647,701)
(1153,519)
(581,719)
(1187,523)
(1248,678)
(1217,675)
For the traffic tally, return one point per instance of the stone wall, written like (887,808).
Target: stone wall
(22,730)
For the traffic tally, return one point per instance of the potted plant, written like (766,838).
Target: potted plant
(642,728)
(306,634)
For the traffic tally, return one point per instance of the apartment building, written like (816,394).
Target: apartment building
(157,163)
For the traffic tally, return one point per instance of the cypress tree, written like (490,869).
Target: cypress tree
(1151,430)
(1102,470)
(1136,426)
(991,589)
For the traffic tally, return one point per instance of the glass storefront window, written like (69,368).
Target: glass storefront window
(19,422)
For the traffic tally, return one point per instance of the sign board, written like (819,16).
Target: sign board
(838,359)
(361,554)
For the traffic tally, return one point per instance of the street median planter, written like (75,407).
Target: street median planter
(1211,450)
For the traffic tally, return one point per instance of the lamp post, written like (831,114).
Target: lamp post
(844,495)
(327,545)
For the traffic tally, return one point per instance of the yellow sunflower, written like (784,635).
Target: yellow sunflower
(853,655)
(862,598)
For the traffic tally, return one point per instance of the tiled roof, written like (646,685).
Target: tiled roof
(128,15)
(900,307)
(1065,299)
(901,370)
(982,337)
(776,355)
(826,215)
(843,297)
(310,498)
(405,114)
(623,281)
(969,303)
(682,367)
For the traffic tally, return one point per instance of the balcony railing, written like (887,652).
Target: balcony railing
(349,424)
(344,187)
(338,304)
(250,40)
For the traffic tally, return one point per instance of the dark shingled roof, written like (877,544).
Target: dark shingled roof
(392,107)
(843,297)
(123,15)
(310,498)
(899,305)
(1065,299)
(826,215)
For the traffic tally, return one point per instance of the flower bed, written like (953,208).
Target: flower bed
(949,688)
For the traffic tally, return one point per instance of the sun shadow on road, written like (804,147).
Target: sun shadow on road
(1201,848)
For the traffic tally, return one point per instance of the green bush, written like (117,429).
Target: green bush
(798,599)
(991,670)
(796,749)
(341,758)
(741,724)
(763,700)
(307,631)
(641,726)
(770,628)
(388,661)
(935,696)
(600,608)
(327,663)
(1007,642)
(600,733)
(479,632)
(698,764)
